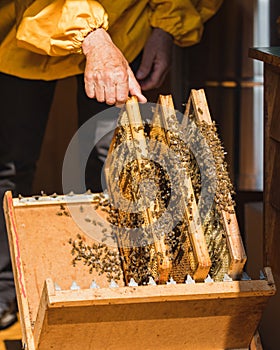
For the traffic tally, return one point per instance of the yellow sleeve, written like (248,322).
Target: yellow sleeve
(58,28)
(183,19)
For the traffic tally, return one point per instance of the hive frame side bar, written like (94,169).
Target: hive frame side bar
(135,119)
(236,248)
(196,233)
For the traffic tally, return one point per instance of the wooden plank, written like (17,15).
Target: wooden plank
(43,309)
(200,106)
(18,270)
(135,120)
(275,125)
(273,142)
(269,55)
(235,244)
(274,193)
(159,293)
(271,214)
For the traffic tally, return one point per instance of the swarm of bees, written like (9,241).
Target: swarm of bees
(169,199)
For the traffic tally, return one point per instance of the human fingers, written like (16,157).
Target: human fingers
(146,65)
(116,84)
(98,82)
(89,86)
(134,87)
(110,94)
(155,79)
(122,91)
(100,93)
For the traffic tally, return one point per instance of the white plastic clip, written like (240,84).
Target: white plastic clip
(132,283)
(171,281)
(227,278)
(245,277)
(189,280)
(74,286)
(208,279)
(262,275)
(151,281)
(113,284)
(56,286)
(93,285)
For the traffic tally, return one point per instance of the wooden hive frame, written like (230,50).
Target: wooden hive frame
(165,117)
(131,120)
(197,104)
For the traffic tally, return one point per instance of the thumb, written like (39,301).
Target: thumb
(134,87)
(145,67)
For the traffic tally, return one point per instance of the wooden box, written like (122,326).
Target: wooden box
(212,315)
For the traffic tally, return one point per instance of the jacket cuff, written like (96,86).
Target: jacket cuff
(60,28)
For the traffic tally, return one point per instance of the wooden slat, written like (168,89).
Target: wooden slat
(269,55)
(271,213)
(131,120)
(274,132)
(158,293)
(18,270)
(135,120)
(275,125)
(274,193)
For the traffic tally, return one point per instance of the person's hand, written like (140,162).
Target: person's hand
(108,77)
(156,60)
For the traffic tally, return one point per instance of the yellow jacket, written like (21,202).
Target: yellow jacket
(42,39)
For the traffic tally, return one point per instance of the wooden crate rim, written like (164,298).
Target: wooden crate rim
(85,198)
(150,293)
